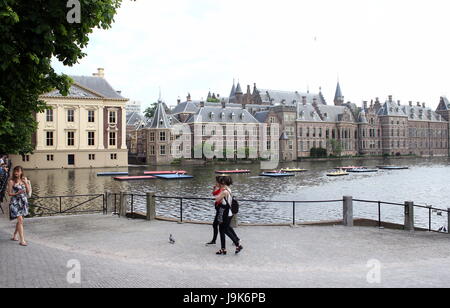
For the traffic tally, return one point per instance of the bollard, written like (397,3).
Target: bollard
(409,216)
(348,211)
(234,221)
(448,218)
(123,204)
(151,206)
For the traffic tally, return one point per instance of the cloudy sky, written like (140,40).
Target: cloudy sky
(375,47)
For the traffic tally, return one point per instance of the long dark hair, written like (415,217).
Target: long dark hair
(13,174)
(224,180)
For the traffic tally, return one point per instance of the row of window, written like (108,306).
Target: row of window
(71,138)
(71,158)
(71,116)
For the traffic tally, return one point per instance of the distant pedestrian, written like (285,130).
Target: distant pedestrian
(4,175)
(18,189)
(225,216)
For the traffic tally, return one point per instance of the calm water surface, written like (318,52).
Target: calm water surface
(426,183)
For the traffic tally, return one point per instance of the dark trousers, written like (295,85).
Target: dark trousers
(226,229)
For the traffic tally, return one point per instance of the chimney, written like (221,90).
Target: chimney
(315,102)
(202,103)
(304,100)
(410,103)
(178,101)
(119,92)
(365,104)
(188,98)
(100,73)
(398,102)
(390,98)
(224,103)
(424,105)
(418,104)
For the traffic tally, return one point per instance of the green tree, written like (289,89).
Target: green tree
(31,34)
(336,147)
(150,111)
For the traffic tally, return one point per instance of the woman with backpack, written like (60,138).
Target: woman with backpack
(224,216)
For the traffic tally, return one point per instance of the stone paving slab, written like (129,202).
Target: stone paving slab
(119,252)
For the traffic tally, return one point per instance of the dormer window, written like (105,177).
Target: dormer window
(222,115)
(242,116)
(211,115)
(325,115)
(233,116)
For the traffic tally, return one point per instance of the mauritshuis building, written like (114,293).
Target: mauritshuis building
(305,120)
(86,129)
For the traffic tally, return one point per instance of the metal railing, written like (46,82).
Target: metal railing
(427,207)
(65,205)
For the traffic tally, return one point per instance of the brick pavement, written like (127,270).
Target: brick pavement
(117,252)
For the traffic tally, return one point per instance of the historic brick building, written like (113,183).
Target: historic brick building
(296,122)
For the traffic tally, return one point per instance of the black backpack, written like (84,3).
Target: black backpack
(234,204)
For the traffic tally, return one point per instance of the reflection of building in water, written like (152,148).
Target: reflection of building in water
(85,129)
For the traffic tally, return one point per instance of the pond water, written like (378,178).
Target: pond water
(425,183)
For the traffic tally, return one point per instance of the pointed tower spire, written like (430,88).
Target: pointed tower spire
(239,89)
(338,97)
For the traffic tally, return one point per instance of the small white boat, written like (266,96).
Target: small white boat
(339,172)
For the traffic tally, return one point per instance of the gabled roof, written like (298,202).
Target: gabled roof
(444,104)
(307,113)
(334,113)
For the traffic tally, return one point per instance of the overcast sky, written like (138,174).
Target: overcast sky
(375,47)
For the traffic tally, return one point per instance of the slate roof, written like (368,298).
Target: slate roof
(262,116)
(99,85)
(391,108)
(333,113)
(307,113)
(444,104)
(160,119)
(416,113)
(209,114)
(289,98)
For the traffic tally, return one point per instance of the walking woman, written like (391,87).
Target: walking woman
(18,188)
(225,216)
(216,191)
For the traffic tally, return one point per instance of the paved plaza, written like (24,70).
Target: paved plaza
(118,252)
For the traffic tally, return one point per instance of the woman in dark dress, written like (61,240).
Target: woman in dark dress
(18,189)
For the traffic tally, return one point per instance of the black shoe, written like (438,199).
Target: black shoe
(221,252)
(238,249)
(211,243)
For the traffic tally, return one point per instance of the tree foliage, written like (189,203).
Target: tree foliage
(150,111)
(31,34)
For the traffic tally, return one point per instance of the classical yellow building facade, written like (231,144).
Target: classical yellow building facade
(86,129)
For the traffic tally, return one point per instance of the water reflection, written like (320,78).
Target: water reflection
(425,183)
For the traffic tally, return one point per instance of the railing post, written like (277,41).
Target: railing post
(123,204)
(379,214)
(293,214)
(181,211)
(348,211)
(409,216)
(151,206)
(108,201)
